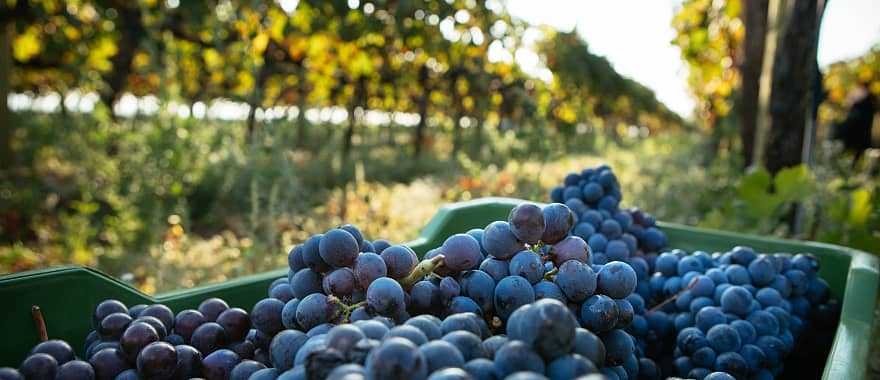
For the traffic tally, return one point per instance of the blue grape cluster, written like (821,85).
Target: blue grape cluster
(738,313)
(150,342)
(614,234)
(524,298)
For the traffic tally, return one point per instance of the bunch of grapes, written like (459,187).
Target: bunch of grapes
(149,342)
(737,312)
(613,234)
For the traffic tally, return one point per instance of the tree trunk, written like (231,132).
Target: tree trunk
(301,133)
(256,99)
(750,69)
(792,85)
(418,141)
(6,32)
(131,31)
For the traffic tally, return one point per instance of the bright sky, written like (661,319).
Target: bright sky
(635,36)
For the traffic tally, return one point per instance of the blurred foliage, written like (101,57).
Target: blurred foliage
(166,202)
(709,34)
(841,82)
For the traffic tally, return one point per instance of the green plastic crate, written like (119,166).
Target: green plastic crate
(67,295)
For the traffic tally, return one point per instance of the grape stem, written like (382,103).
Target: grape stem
(549,275)
(37,315)
(343,308)
(537,247)
(423,269)
(673,298)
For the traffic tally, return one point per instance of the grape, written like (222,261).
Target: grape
(736,300)
(528,265)
(599,313)
(584,230)
(306,282)
(219,364)
(511,293)
(499,240)
(732,363)
(380,245)
(385,296)
(548,289)
(106,308)
(462,304)
(186,322)
(135,338)
(367,268)
(428,327)
(282,292)
(338,248)
(597,244)
(284,348)
(340,282)
(517,356)
(549,327)
(440,354)
(266,316)
(570,248)
(74,370)
(450,374)
(625,313)
(589,346)
(318,364)
(314,310)
(754,357)
(39,366)
(708,317)
(157,361)
(479,286)
(58,349)
(265,374)
(558,220)
(704,357)
(396,358)
(295,258)
(244,349)
(448,289)
(570,367)
(467,343)
(356,233)
(762,270)
(724,338)
(343,337)
(347,372)
(616,280)
(618,346)
(235,322)
(667,264)
(527,222)
(399,261)
(764,323)
(576,280)
(372,329)
(496,268)
(288,315)
(737,275)
(719,376)
(316,343)
(112,326)
(492,344)
(407,332)
(460,322)
(211,308)
(477,233)
(107,363)
(423,295)
(480,369)
(768,297)
(162,313)
(462,252)
(245,369)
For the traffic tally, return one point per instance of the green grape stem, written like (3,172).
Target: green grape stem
(421,270)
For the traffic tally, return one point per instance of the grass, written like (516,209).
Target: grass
(165,203)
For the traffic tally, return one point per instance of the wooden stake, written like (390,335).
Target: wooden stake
(37,314)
